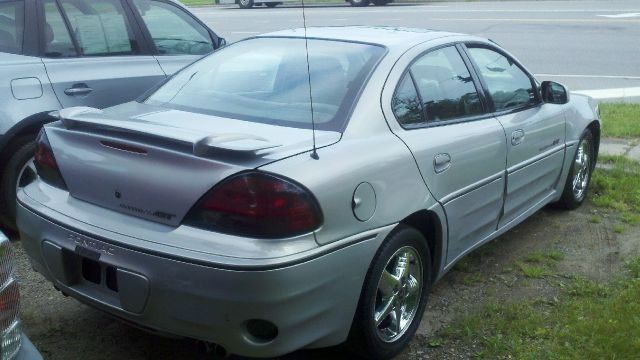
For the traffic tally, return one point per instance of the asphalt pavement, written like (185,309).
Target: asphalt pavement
(586,45)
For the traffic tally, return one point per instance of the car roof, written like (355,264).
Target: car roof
(391,37)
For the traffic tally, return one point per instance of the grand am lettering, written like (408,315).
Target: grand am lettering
(159,214)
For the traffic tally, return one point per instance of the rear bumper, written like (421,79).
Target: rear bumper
(312,302)
(27,350)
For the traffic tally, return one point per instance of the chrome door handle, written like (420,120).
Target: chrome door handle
(441,162)
(517,137)
(78,90)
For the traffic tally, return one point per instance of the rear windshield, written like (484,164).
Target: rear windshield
(266,80)
(11,26)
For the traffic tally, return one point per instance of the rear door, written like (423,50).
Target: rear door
(459,148)
(94,53)
(535,130)
(178,38)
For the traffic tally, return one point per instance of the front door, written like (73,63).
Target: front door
(178,37)
(459,148)
(92,53)
(535,130)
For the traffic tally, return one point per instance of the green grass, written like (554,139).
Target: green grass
(533,271)
(198,2)
(590,321)
(620,120)
(618,188)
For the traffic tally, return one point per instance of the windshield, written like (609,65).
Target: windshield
(266,80)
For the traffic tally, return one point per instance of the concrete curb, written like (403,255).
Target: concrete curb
(620,147)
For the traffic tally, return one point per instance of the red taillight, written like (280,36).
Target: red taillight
(46,163)
(257,205)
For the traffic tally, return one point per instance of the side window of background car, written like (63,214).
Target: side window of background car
(100,27)
(174,32)
(509,86)
(56,39)
(11,26)
(406,102)
(445,86)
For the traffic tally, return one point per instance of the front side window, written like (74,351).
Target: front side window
(174,32)
(266,80)
(509,86)
(11,26)
(445,86)
(101,27)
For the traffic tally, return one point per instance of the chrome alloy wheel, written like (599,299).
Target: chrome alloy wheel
(27,174)
(581,169)
(398,295)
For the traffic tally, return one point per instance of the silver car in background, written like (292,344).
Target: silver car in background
(14,344)
(99,53)
(250,203)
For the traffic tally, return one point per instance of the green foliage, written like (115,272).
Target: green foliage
(618,188)
(591,321)
(620,120)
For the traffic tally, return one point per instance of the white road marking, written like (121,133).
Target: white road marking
(623,77)
(536,20)
(622,16)
(619,93)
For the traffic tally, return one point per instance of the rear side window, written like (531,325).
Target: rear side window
(445,86)
(100,27)
(11,26)
(57,40)
(174,32)
(509,86)
(406,103)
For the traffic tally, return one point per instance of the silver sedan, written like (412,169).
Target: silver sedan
(268,199)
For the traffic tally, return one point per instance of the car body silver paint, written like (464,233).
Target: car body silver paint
(14,110)
(213,304)
(366,152)
(105,76)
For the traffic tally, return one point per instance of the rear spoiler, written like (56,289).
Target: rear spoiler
(72,118)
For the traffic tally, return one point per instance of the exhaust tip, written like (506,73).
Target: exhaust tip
(214,351)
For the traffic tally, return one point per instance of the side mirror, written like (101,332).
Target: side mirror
(554,93)
(222,42)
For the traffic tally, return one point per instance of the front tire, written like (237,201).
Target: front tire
(245,4)
(579,178)
(19,172)
(393,297)
(359,3)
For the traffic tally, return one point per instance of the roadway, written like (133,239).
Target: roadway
(586,45)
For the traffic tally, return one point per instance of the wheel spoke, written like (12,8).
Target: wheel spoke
(403,267)
(396,318)
(388,283)
(386,310)
(413,286)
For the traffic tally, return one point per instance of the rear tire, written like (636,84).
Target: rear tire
(579,178)
(393,297)
(245,4)
(16,174)
(359,3)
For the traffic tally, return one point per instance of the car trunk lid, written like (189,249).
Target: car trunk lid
(155,163)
